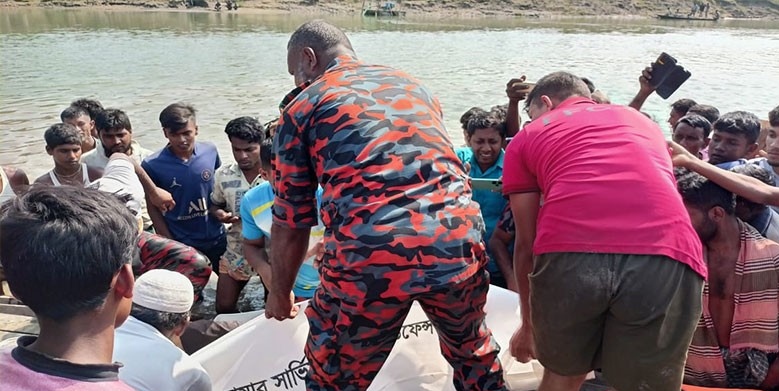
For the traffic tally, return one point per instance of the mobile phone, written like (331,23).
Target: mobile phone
(672,83)
(667,75)
(487,184)
(661,68)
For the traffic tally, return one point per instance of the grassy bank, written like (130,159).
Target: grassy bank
(762,9)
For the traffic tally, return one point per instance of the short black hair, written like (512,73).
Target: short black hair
(468,114)
(245,128)
(709,112)
(113,119)
(759,173)
(62,246)
(162,321)
(176,116)
(73,112)
(484,121)
(739,122)
(62,134)
(318,35)
(773,117)
(703,194)
(92,106)
(683,105)
(266,152)
(500,113)
(590,84)
(756,172)
(696,121)
(559,86)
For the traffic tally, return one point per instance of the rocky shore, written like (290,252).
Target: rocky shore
(762,9)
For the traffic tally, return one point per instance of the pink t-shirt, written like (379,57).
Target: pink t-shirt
(16,373)
(607,181)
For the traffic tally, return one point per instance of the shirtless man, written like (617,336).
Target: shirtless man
(63,144)
(735,342)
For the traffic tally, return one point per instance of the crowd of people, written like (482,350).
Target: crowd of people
(356,199)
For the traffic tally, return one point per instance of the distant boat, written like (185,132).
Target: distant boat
(684,17)
(382,9)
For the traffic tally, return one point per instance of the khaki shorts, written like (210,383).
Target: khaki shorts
(631,315)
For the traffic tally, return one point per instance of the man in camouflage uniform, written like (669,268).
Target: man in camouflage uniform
(396,205)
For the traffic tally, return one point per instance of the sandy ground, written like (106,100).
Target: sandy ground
(768,9)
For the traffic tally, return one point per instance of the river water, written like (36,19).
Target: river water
(234,64)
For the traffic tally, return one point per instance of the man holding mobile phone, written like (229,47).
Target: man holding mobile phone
(678,109)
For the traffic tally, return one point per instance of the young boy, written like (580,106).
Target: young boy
(185,168)
(733,139)
(82,119)
(78,284)
(231,182)
(63,144)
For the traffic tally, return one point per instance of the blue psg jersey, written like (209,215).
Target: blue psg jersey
(190,183)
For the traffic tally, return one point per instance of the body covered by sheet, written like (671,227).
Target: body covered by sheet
(265,354)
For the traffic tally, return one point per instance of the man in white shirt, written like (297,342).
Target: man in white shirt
(146,344)
(119,178)
(115,133)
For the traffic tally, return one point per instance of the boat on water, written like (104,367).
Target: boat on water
(685,17)
(382,9)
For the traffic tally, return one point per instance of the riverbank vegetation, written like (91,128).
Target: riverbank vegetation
(759,9)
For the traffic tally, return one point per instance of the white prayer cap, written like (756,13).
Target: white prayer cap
(164,290)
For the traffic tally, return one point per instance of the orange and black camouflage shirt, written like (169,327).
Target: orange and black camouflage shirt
(396,201)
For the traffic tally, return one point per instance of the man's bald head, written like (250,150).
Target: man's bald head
(321,36)
(312,47)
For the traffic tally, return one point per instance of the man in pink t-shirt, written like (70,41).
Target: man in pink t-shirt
(611,263)
(66,252)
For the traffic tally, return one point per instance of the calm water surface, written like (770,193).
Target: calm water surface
(233,64)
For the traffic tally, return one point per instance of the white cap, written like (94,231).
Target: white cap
(164,290)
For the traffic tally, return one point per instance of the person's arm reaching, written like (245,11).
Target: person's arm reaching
(294,209)
(154,195)
(516,90)
(645,89)
(156,216)
(742,185)
(254,242)
(157,220)
(285,263)
(257,257)
(527,206)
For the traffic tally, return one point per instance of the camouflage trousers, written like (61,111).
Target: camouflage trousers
(349,340)
(158,252)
